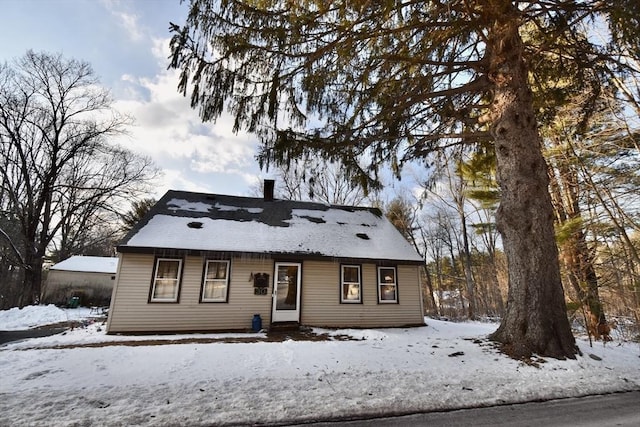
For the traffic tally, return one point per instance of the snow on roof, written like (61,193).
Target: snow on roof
(235,208)
(88,264)
(182,220)
(185,205)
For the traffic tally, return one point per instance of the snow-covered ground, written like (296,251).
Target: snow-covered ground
(440,366)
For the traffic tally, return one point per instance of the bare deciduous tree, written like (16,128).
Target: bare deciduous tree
(57,167)
(317,180)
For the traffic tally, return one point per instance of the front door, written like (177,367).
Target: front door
(286,292)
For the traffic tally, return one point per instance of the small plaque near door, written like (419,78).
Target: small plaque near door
(260,283)
(261,280)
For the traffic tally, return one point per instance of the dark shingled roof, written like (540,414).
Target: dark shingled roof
(183,220)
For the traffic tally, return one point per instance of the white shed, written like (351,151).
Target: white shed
(90,278)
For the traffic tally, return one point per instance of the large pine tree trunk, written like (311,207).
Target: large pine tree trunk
(535,320)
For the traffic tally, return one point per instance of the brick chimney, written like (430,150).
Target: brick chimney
(269,184)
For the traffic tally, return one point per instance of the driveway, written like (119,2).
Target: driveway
(44,331)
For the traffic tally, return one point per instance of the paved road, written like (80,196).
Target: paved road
(619,409)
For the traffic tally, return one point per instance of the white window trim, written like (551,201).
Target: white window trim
(225,280)
(155,279)
(395,285)
(343,283)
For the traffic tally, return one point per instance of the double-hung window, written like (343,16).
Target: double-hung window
(351,284)
(216,281)
(387,285)
(166,280)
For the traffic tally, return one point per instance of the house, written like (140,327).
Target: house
(209,262)
(91,278)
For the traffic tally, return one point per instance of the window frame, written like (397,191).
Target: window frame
(226,281)
(154,279)
(343,300)
(396,300)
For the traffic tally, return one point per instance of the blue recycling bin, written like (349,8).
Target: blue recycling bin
(256,323)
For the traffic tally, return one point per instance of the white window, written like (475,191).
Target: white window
(350,284)
(387,285)
(166,280)
(216,281)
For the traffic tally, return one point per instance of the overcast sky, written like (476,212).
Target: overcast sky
(127,44)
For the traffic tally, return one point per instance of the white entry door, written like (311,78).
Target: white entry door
(286,292)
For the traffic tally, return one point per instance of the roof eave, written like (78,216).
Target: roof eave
(274,255)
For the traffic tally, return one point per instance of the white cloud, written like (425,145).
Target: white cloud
(176,179)
(160,49)
(128,21)
(194,155)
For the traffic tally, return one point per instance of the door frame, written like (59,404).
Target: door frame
(285,315)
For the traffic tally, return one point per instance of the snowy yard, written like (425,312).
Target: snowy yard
(439,366)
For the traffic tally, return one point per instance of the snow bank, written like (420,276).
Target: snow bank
(33,316)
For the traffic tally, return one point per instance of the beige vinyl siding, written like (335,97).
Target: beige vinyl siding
(321,298)
(131,312)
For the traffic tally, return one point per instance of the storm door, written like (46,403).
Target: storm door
(286,292)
